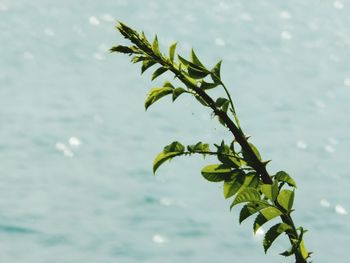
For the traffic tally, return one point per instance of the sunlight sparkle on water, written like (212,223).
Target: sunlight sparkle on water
(286,35)
(340,210)
(285,15)
(3,7)
(338,5)
(301,144)
(93,20)
(165,201)
(333,141)
(220,42)
(49,32)
(74,141)
(347,82)
(28,55)
(329,149)
(159,239)
(64,149)
(324,202)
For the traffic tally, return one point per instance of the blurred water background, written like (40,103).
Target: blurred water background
(76,146)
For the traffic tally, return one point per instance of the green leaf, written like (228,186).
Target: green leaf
(303,250)
(196,73)
(158,72)
(226,156)
(251,180)
(273,233)
(169,152)
(199,147)
(270,190)
(216,172)
(172,49)
(162,157)
(126,31)
(194,68)
(144,38)
(206,85)
(183,61)
(195,60)
(246,195)
(282,176)
(122,49)
(168,84)
(246,156)
(177,92)
(155,46)
(232,186)
(251,208)
(201,100)
(286,199)
(137,59)
(265,216)
(215,72)
(222,103)
(147,64)
(174,147)
(298,244)
(155,94)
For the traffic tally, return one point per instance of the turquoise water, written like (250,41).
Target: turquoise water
(76,146)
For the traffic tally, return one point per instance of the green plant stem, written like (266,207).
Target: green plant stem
(235,129)
(238,134)
(231,103)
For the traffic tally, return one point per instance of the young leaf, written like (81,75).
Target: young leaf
(155,46)
(155,94)
(273,233)
(232,186)
(303,250)
(216,172)
(174,147)
(168,84)
(222,103)
(169,152)
(201,101)
(183,61)
(286,199)
(297,245)
(195,60)
(215,72)
(226,156)
(270,190)
(246,195)
(177,92)
(137,59)
(282,176)
(147,64)
(158,72)
(122,49)
(251,208)
(144,38)
(196,73)
(162,157)
(206,85)
(198,147)
(251,180)
(265,216)
(172,49)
